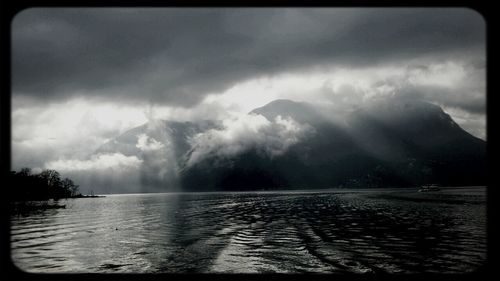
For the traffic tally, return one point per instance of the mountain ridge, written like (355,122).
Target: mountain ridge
(392,143)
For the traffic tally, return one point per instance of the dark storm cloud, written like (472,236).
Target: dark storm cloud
(176,56)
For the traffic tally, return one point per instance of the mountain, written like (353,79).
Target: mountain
(392,142)
(388,143)
(300,111)
(172,133)
(161,146)
(420,142)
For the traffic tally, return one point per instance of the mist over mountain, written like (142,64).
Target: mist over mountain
(287,145)
(160,146)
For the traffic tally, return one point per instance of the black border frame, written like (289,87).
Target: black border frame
(8,10)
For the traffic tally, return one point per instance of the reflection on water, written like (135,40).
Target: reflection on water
(336,231)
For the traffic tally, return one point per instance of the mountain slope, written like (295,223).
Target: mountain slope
(421,141)
(388,143)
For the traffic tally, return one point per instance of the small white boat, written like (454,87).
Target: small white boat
(429,187)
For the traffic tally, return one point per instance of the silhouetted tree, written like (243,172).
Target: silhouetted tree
(25,172)
(69,186)
(46,185)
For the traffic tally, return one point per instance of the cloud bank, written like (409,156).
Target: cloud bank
(112,162)
(246,132)
(101,172)
(178,56)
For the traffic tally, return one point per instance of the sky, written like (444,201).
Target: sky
(83,76)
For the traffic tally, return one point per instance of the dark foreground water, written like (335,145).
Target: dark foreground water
(326,231)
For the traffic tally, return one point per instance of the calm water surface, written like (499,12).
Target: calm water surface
(326,231)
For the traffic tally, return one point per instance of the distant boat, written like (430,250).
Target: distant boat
(429,187)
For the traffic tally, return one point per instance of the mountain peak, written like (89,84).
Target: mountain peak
(404,105)
(390,142)
(419,121)
(300,111)
(281,104)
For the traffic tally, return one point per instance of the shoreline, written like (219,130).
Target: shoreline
(321,190)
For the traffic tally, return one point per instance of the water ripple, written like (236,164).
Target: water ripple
(358,231)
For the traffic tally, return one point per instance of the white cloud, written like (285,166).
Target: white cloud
(246,132)
(447,74)
(250,94)
(158,154)
(115,161)
(104,173)
(146,143)
(474,123)
(68,130)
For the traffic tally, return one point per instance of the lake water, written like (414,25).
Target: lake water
(383,230)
